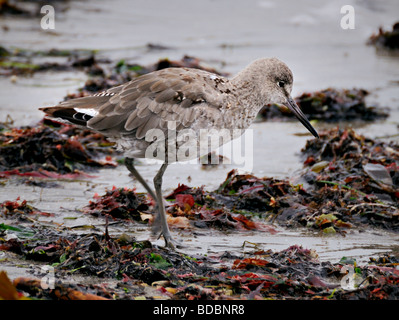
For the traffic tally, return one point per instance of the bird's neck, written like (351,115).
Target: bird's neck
(248,100)
(248,90)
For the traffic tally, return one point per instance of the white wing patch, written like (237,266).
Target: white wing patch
(88,111)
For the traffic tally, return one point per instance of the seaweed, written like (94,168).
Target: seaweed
(122,203)
(330,105)
(348,180)
(356,162)
(52,149)
(23,62)
(386,39)
(292,273)
(7,8)
(358,178)
(20,210)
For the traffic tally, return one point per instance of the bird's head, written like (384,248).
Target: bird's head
(276,80)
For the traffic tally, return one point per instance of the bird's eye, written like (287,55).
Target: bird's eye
(281,84)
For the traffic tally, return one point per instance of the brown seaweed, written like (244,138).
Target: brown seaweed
(330,105)
(53,148)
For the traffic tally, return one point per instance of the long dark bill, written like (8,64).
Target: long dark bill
(301,117)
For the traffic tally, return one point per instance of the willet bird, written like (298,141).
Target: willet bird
(190,99)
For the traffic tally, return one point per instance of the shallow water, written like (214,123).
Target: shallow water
(227,35)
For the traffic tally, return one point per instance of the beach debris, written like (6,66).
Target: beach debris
(20,209)
(360,184)
(53,149)
(330,105)
(10,8)
(357,162)
(120,203)
(24,62)
(292,273)
(348,181)
(386,39)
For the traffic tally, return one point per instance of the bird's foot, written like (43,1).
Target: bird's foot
(171,243)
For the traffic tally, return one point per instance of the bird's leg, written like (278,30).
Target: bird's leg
(160,216)
(129,165)
(161,208)
(136,174)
